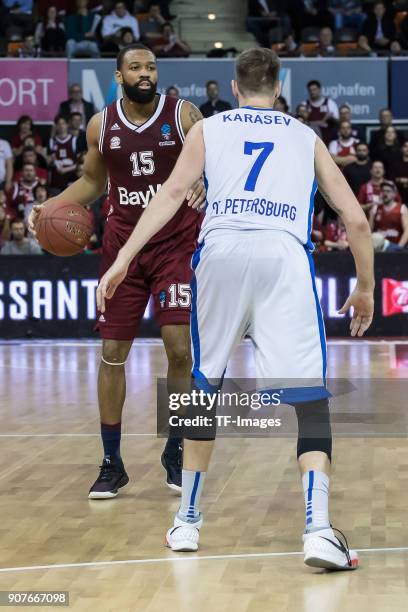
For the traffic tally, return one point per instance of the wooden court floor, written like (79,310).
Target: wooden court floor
(109,554)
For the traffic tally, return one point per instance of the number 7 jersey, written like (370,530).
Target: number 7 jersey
(139,159)
(259,168)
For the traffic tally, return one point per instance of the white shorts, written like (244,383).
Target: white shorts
(257,283)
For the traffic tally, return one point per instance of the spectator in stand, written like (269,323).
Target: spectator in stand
(20,14)
(173,92)
(389,152)
(343,150)
(74,128)
(6,165)
(399,173)
(126,38)
(63,152)
(326,46)
(22,192)
(25,128)
(150,28)
(370,192)
(382,245)
(29,48)
(113,24)
(76,104)
(31,157)
(303,115)
(315,14)
(345,115)
(39,160)
(264,15)
(335,236)
(390,217)
(40,193)
(347,13)
(169,44)
(358,173)
(19,243)
(377,137)
(378,32)
(214,105)
(4,219)
(323,111)
(281,105)
(50,32)
(80,31)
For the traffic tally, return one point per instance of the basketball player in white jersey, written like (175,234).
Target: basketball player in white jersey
(254,275)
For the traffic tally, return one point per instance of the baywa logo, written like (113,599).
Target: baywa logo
(165,131)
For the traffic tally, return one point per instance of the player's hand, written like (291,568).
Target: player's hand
(362,303)
(33,218)
(196,196)
(110,281)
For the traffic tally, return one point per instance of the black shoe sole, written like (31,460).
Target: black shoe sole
(109,494)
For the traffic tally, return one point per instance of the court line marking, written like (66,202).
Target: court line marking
(185,558)
(68,435)
(159,341)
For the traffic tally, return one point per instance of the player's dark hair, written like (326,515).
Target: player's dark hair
(257,70)
(133,47)
(212,82)
(314,82)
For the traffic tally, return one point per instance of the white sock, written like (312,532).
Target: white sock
(316,490)
(191,487)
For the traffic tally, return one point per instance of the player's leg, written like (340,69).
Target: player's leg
(176,339)
(219,295)
(118,327)
(288,332)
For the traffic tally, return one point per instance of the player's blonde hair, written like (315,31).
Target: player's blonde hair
(257,70)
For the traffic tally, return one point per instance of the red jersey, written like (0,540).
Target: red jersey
(20,196)
(387,220)
(63,151)
(370,193)
(139,159)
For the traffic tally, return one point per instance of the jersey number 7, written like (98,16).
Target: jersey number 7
(266,150)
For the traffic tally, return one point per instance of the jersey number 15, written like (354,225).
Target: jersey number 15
(266,149)
(143,163)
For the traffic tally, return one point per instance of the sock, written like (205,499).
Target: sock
(191,487)
(316,490)
(172,446)
(111,435)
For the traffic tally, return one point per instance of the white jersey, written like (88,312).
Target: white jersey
(259,166)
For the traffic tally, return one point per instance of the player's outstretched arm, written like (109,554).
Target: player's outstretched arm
(161,209)
(340,198)
(189,116)
(92,183)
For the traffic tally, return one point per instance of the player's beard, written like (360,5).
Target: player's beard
(141,96)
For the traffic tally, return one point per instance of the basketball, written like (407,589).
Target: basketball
(64,229)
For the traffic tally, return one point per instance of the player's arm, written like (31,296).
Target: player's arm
(91,185)
(341,199)
(161,209)
(189,116)
(404,222)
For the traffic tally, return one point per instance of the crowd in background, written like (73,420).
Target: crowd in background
(375,166)
(87,28)
(329,28)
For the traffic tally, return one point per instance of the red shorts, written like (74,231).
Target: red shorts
(161,270)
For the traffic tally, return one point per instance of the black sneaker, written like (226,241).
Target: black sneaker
(111,478)
(172,463)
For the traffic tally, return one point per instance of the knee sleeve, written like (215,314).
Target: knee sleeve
(314,428)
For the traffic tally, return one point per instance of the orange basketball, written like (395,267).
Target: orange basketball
(64,229)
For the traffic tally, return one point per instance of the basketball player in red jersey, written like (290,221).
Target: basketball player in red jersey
(390,217)
(134,144)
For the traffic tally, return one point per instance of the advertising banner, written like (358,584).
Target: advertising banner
(362,83)
(32,87)
(54,297)
(399,89)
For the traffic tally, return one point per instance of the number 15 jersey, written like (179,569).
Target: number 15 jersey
(259,166)
(139,159)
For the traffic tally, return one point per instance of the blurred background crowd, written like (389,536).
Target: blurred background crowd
(37,162)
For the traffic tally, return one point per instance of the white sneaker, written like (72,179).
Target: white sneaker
(323,549)
(184,536)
